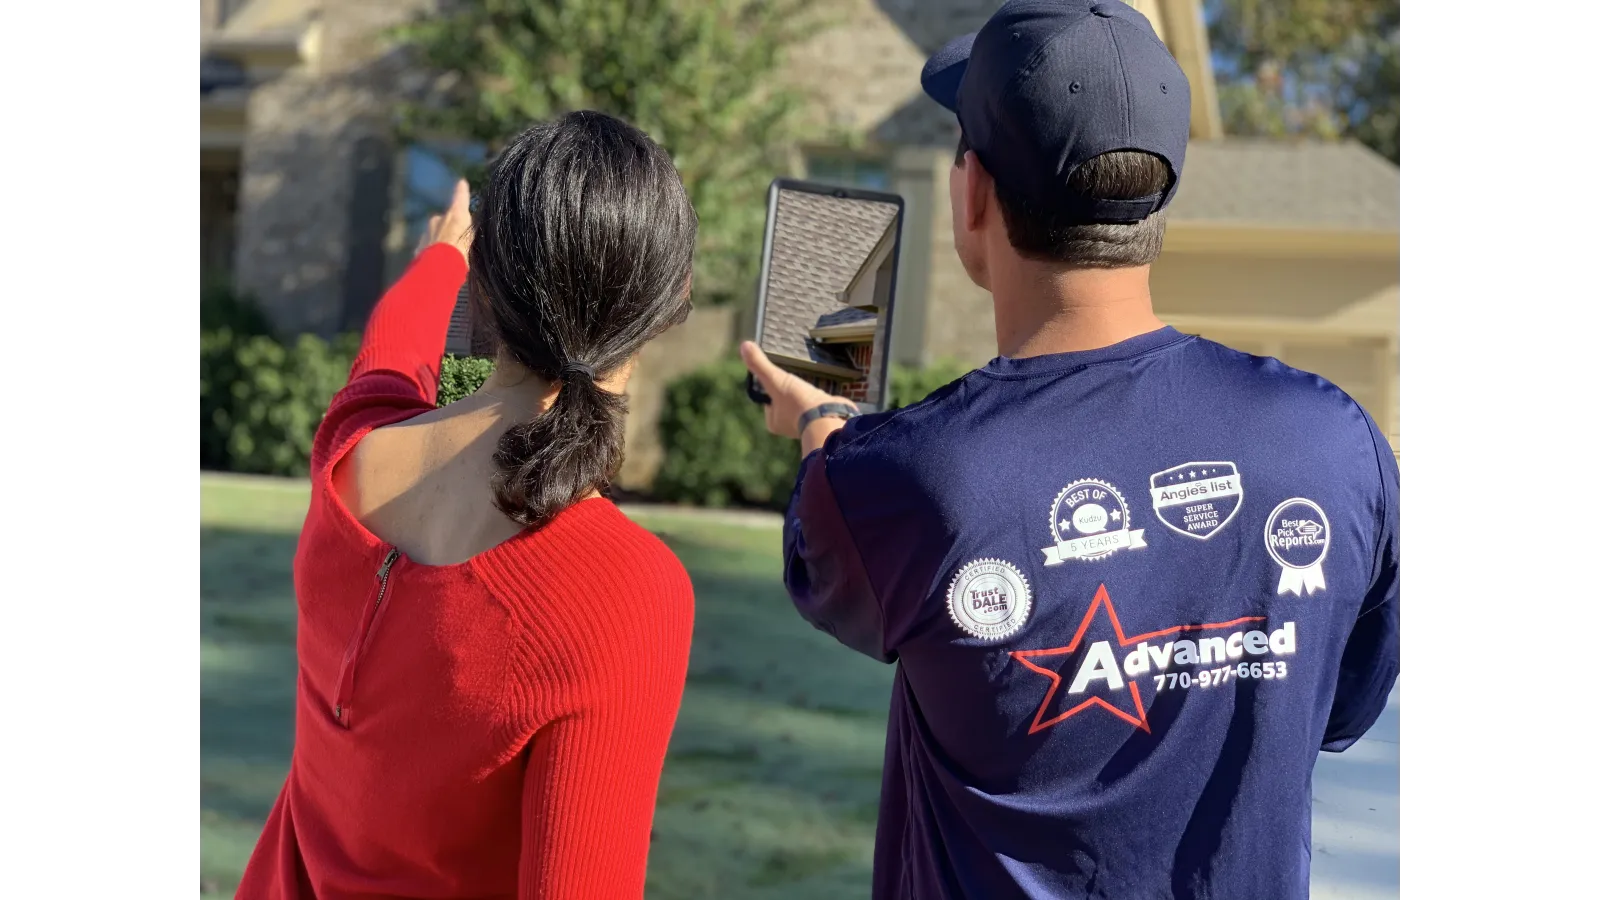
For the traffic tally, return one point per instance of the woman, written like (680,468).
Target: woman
(491,654)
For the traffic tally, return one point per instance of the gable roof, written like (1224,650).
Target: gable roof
(1310,184)
(818,246)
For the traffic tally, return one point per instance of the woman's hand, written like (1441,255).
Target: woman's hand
(454,225)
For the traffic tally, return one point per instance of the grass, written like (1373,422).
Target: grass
(771,784)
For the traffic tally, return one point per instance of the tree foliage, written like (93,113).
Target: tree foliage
(1323,68)
(696,75)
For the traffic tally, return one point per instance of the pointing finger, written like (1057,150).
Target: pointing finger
(762,368)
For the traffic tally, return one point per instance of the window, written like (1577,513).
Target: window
(219,210)
(216,13)
(848,171)
(431,170)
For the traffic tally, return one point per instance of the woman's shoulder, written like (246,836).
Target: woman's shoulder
(594,560)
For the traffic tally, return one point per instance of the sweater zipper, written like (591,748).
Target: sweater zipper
(359,642)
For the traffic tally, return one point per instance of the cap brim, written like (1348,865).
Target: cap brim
(942,73)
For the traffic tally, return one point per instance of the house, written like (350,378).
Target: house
(1288,249)
(829,275)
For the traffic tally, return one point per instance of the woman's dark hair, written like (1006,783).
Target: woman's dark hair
(582,248)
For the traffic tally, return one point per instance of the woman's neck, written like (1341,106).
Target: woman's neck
(520,394)
(514,391)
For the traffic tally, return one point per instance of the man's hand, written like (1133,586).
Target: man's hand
(791,396)
(454,225)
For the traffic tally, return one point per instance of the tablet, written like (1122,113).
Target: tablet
(825,303)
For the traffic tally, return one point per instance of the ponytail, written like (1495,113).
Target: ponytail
(545,465)
(582,249)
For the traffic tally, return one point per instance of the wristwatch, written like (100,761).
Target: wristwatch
(835,410)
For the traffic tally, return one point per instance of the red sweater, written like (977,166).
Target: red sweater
(494,728)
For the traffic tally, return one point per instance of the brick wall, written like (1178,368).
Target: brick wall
(861,356)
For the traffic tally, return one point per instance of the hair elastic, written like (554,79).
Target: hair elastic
(572,370)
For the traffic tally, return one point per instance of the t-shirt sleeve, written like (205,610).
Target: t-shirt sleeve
(822,566)
(1371,662)
(862,542)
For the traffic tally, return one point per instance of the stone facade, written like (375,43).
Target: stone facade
(315,184)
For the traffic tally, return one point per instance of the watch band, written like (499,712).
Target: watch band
(823,410)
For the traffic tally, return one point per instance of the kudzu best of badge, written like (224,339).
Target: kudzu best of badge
(1089,520)
(1297,539)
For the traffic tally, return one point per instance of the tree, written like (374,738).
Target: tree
(1323,68)
(698,76)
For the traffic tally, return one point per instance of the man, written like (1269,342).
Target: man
(1134,581)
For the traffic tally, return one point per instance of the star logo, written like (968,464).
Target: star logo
(1135,715)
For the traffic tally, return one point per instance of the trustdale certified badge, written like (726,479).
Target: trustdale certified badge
(1089,520)
(1197,499)
(1297,538)
(989,598)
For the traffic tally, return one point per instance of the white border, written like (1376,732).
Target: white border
(1499,324)
(100,673)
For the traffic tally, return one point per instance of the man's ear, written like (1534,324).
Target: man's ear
(978,186)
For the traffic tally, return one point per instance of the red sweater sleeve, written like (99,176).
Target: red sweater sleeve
(588,800)
(397,366)
(602,674)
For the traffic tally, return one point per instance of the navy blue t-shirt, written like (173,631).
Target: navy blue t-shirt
(1131,593)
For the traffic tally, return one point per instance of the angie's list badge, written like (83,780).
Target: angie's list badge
(1297,539)
(1089,520)
(1197,499)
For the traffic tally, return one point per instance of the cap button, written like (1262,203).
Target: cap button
(1100,11)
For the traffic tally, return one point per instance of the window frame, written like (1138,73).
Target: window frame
(850,162)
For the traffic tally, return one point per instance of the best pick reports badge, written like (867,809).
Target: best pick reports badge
(1297,537)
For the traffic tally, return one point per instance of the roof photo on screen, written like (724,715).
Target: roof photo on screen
(829,276)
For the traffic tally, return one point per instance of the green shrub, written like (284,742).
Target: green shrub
(459,376)
(224,309)
(715,447)
(261,400)
(714,442)
(219,368)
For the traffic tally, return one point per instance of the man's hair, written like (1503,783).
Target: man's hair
(1046,235)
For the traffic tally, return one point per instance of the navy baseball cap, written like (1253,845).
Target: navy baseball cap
(1047,85)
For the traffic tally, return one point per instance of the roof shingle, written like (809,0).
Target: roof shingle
(819,243)
(1259,181)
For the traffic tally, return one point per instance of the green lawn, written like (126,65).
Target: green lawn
(771,784)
